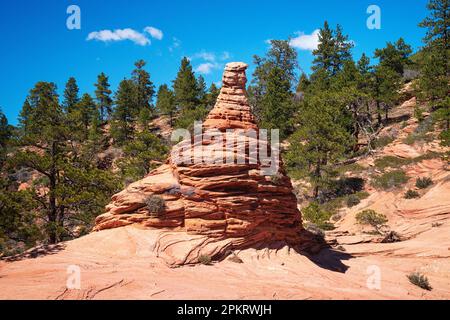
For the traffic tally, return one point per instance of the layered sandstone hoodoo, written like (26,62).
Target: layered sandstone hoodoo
(214,205)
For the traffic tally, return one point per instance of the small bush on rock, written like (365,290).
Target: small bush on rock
(372,218)
(423,183)
(420,280)
(391,180)
(411,194)
(205,259)
(155,205)
(353,200)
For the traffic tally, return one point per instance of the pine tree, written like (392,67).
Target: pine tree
(45,131)
(5,130)
(320,141)
(386,84)
(201,87)
(212,95)
(84,115)
(165,103)
(271,91)
(145,89)
(435,69)
(185,87)
(277,104)
(5,135)
(325,53)
(124,112)
(71,97)
(103,96)
(303,83)
(142,154)
(395,56)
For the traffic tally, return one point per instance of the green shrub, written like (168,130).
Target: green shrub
(390,180)
(445,138)
(423,183)
(390,162)
(353,200)
(155,205)
(205,259)
(316,214)
(372,218)
(383,141)
(420,280)
(411,194)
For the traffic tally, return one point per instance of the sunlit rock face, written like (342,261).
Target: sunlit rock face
(220,193)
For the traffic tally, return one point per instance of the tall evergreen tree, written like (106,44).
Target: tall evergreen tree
(395,56)
(85,114)
(320,141)
(212,95)
(5,130)
(71,97)
(435,70)
(272,86)
(185,87)
(45,131)
(124,112)
(145,89)
(333,51)
(201,87)
(165,103)
(103,96)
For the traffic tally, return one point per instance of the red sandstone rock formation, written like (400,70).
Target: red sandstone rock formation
(217,206)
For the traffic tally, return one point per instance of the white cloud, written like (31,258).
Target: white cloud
(207,56)
(119,35)
(207,68)
(226,55)
(154,32)
(306,41)
(175,44)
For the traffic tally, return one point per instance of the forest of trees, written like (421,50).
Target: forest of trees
(60,165)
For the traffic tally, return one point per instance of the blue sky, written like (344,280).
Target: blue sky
(37,45)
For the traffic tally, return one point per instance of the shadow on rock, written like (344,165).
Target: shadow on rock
(37,252)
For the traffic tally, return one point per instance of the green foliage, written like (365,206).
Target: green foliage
(187,117)
(422,133)
(139,153)
(435,70)
(333,51)
(212,95)
(320,141)
(314,213)
(71,98)
(353,200)
(165,103)
(103,96)
(144,88)
(185,87)
(82,116)
(390,162)
(389,180)
(411,194)
(271,94)
(124,113)
(395,56)
(383,141)
(419,280)
(155,205)
(372,218)
(205,259)
(423,183)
